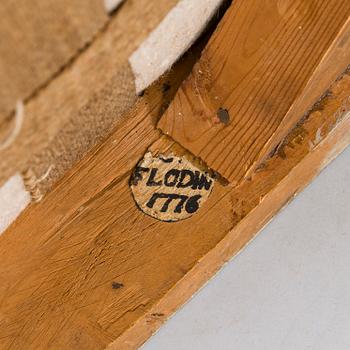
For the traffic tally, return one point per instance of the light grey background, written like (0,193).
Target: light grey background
(289,289)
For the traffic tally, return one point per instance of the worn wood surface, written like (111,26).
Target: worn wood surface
(82,266)
(117,156)
(86,268)
(305,169)
(37,39)
(268,63)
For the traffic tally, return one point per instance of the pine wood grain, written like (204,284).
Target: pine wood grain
(267,63)
(86,269)
(74,328)
(82,266)
(38,38)
(300,175)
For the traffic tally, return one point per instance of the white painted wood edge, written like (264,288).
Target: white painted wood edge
(171,39)
(111,5)
(13,200)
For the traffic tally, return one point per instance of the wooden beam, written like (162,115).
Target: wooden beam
(304,172)
(267,63)
(86,267)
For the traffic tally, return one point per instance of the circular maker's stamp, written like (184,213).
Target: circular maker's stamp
(169,188)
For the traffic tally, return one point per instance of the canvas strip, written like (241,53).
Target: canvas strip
(111,5)
(171,39)
(13,200)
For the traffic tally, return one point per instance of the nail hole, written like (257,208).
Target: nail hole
(166,87)
(117,285)
(223,115)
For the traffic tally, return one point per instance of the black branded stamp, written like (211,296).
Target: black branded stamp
(169,188)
